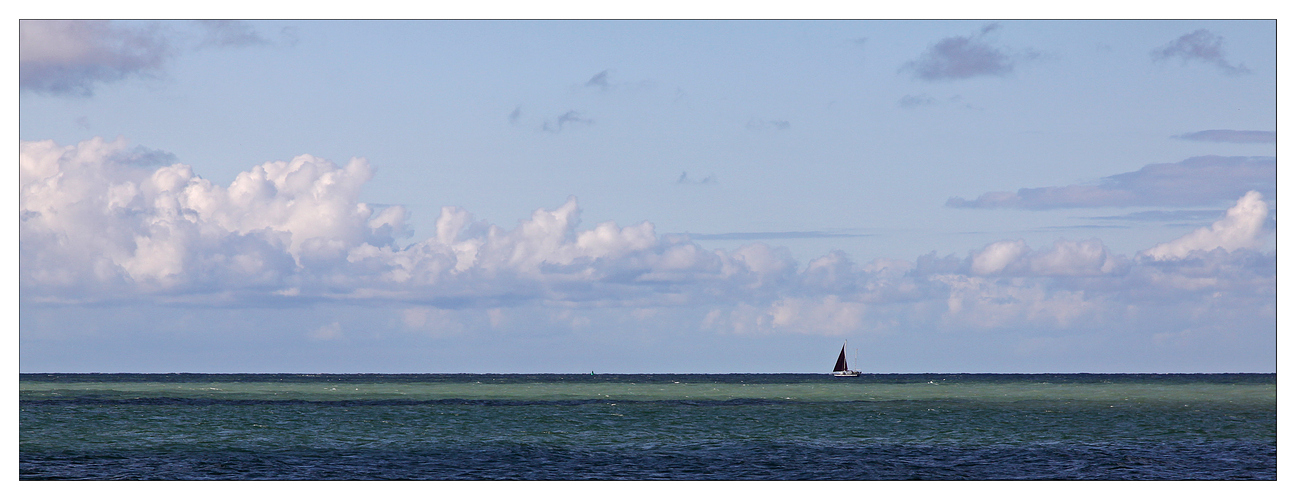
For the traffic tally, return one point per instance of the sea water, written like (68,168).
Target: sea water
(710,427)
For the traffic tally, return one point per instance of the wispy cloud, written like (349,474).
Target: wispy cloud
(1163,216)
(331,331)
(564,120)
(773,235)
(1072,227)
(1197,181)
(226,33)
(757,124)
(962,57)
(599,80)
(1202,46)
(140,156)
(685,179)
(1234,136)
(604,82)
(916,101)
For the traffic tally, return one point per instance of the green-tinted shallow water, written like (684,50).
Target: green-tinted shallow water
(648,426)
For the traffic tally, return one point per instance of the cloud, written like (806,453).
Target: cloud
(962,57)
(95,229)
(1075,286)
(755,124)
(437,322)
(1234,136)
(331,331)
(1163,216)
(601,83)
(912,101)
(226,33)
(828,315)
(995,257)
(74,57)
(570,117)
(1065,258)
(604,82)
(685,179)
(1200,45)
(93,218)
(772,235)
(599,80)
(1241,227)
(915,101)
(1201,180)
(71,57)
(140,156)
(289,35)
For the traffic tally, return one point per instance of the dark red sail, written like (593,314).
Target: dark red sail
(841,361)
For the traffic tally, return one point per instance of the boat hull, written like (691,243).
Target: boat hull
(848,373)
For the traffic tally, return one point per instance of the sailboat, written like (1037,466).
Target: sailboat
(840,369)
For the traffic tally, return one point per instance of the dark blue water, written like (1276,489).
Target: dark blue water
(713,427)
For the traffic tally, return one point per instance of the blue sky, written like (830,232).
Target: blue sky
(648,196)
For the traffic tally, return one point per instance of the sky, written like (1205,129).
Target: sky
(647,196)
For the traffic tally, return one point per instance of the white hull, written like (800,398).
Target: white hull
(848,373)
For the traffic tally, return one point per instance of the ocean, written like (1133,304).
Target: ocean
(804,427)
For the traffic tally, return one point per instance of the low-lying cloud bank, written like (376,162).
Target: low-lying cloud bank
(1232,136)
(1197,181)
(96,229)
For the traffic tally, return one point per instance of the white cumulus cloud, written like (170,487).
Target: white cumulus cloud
(88,219)
(297,229)
(997,256)
(96,227)
(1241,227)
